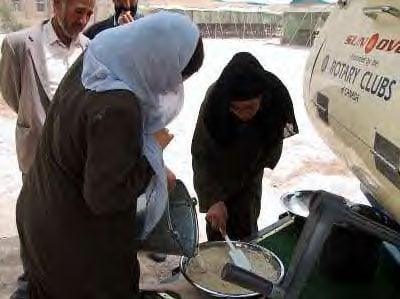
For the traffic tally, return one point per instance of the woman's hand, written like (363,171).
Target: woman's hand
(217,215)
(171,179)
(125,18)
(163,137)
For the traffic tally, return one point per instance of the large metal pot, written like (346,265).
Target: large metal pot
(269,256)
(177,232)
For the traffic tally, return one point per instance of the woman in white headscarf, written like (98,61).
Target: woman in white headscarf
(101,148)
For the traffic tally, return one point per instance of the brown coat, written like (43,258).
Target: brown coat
(76,211)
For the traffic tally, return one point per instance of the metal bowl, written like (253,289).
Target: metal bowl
(298,202)
(269,256)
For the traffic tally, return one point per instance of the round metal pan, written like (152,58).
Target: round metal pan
(269,255)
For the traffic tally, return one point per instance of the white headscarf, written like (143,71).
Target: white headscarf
(146,57)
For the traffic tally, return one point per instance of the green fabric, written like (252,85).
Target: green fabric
(385,286)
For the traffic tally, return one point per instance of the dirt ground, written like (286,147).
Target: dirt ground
(152,273)
(9,265)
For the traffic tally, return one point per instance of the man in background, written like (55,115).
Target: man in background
(125,12)
(33,62)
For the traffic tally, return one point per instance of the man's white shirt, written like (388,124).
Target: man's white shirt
(59,58)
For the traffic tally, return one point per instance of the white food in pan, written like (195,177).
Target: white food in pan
(205,269)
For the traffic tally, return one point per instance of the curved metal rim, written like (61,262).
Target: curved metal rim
(184,261)
(192,204)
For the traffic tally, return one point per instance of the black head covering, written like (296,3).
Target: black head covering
(243,79)
(196,61)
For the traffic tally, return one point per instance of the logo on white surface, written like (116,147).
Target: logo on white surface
(374,42)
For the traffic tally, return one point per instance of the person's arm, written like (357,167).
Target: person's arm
(209,185)
(89,33)
(205,179)
(93,30)
(10,75)
(116,172)
(98,27)
(272,155)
